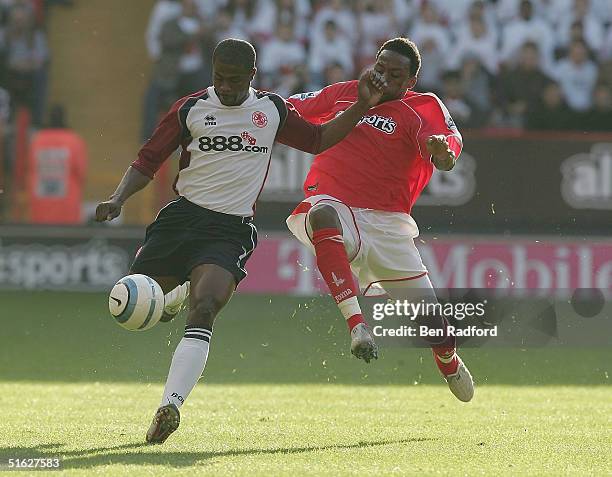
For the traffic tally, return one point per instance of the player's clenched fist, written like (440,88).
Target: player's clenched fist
(107,210)
(371,87)
(442,155)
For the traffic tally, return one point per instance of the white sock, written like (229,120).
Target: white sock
(350,307)
(187,365)
(175,297)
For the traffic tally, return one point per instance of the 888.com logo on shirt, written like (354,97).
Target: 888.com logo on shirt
(245,142)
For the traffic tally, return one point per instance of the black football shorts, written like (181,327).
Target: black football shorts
(185,235)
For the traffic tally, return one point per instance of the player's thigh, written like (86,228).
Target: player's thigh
(162,253)
(212,286)
(414,289)
(394,263)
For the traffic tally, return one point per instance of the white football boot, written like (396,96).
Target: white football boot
(461,383)
(362,343)
(174,300)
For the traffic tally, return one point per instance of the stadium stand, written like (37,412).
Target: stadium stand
(478,54)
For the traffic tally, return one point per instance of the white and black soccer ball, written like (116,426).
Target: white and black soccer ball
(136,302)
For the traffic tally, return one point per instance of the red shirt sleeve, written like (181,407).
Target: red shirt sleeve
(299,133)
(165,140)
(316,105)
(435,120)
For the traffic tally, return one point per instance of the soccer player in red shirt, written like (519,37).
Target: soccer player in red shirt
(360,192)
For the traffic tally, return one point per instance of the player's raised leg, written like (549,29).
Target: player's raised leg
(333,263)
(444,348)
(211,288)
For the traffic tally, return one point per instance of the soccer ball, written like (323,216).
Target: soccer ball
(136,302)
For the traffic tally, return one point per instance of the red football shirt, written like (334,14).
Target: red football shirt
(383,163)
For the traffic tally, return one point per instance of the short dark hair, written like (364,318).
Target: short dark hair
(237,52)
(404,47)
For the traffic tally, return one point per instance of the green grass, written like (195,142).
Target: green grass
(280,396)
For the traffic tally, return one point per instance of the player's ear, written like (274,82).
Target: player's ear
(412,82)
(253,71)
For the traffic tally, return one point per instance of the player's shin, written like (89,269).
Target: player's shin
(335,269)
(187,365)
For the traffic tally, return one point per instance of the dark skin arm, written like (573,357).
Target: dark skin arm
(133,180)
(371,85)
(442,156)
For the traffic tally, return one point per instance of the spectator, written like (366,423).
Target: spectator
(522,85)
(434,42)
(475,41)
(335,73)
(180,67)
(591,26)
(293,12)
(261,25)
(463,111)
(455,12)
(486,13)
(605,53)
(476,83)
(577,75)
(376,23)
(602,9)
(189,30)
(552,11)
(26,57)
(280,55)
(332,48)
(248,17)
(526,28)
(225,27)
(599,118)
(165,10)
(337,11)
(550,112)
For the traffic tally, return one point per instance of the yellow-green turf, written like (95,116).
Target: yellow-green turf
(281,396)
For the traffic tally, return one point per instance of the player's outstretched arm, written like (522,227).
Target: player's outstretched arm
(371,86)
(442,155)
(133,181)
(305,136)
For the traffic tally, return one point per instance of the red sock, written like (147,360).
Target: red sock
(445,354)
(334,266)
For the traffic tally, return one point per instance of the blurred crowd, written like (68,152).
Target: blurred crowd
(533,64)
(24,57)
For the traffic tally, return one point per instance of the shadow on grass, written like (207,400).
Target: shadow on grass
(124,454)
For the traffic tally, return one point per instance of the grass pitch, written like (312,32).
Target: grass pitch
(281,396)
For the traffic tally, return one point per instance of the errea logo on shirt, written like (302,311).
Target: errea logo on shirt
(382,123)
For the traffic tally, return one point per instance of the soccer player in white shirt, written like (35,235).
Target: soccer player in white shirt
(226,133)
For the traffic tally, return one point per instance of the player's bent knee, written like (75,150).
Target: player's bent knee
(204,311)
(323,216)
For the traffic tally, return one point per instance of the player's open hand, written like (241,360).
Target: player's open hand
(107,210)
(371,87)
